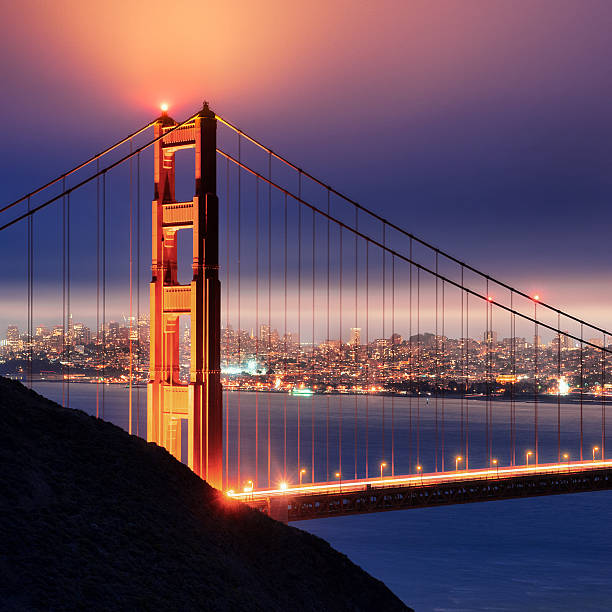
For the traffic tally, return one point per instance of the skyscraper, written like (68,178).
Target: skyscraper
(12,336)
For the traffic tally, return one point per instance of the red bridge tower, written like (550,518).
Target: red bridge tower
(170,401)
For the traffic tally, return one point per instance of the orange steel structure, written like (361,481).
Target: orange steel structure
(170,401)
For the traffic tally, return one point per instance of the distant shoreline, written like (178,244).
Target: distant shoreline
(526,397)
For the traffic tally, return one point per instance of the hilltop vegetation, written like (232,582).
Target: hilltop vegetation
(95,519)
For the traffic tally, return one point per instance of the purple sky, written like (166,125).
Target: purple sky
(483,127)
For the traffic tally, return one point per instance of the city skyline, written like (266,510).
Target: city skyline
(269,361)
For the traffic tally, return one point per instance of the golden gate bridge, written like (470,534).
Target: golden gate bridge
(320,422)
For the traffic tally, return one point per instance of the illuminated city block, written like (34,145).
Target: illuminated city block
(169,400)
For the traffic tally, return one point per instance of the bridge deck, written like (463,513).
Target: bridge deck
(329,499)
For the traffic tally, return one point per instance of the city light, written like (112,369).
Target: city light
(457,460)
(383,465)
(595,450)
(245,365)
(282,486)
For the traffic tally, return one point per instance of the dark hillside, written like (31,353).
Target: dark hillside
(95,519)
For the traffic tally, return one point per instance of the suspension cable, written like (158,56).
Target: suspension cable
(398,228)
(93,176)
(63,176)
(419,266)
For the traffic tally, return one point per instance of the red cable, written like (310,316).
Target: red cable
(341,359)
(269,298)
(256,329)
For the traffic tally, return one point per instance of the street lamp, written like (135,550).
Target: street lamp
(566,457)
(595,449)
(383,465)
(457,460)
(527,455)
(283,486)
(302,472)
(249,487)
(339,476)
(420,471)
(496,464)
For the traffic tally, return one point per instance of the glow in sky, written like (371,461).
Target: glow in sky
(483,128)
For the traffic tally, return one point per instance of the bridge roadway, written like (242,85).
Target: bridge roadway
(327,499)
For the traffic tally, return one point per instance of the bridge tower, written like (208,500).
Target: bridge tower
(170,401)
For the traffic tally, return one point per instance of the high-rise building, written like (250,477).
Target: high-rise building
(562,341)
(490,337)
(355,336)
(81,334)
(12,336)
(42,331)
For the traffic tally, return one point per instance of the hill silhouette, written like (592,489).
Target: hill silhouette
(93,518)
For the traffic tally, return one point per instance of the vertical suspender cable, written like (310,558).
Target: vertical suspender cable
(98,356)
(131,230)
(384,345)
(239,442)
(269,297)
(558,388)
(442,380)
(341,360)
(312,405)
(410,362)
(367,342)
(581,390)
(103,293)
(299,322)
(436,371)
(513,381)
(256,477)
(464,389)
(394,357)
(488,342)
(138,338)
(285,355)
(63,358)
(69,317)
(356,347)
(418,436)
(535,379)
(29,279)
(492,350)
(328,349)
(467,380)
(227,315)
(603,399)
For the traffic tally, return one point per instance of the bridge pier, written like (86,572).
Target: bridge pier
(278,509)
